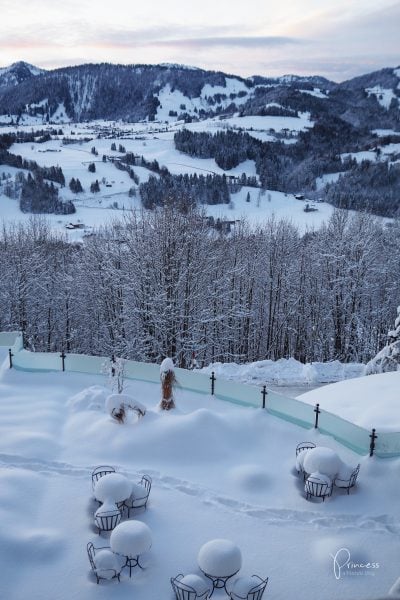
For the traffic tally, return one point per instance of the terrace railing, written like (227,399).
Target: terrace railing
(383,443)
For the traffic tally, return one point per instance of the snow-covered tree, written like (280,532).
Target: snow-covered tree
(388,359)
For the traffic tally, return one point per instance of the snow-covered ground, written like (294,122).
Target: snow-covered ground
(219,471)
(384,96)
(285,372)
(154,142)
(371,401)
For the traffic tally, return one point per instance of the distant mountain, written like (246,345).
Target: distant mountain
(168,91)
(17,73)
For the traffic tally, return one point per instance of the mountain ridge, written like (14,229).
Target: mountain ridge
(170,91)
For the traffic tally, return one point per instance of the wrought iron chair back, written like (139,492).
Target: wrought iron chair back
(139,501)
(348,483)
(146,481)
(354,475)
(317,488)
(91,553)
(99,472)
(257,592)
(304,446)
(107,520)
(186,592)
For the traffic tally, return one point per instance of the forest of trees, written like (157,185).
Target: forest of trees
(228,148)
(38,196)
(284,167)
(165,284)
(184,190)
(370,186)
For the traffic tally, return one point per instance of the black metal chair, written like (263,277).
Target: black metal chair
(100,472)
(350,482)
(254,593)
(139,501)
(99,571)
(317,488)
(304,446)
(301,448)
(107,520)
(186,592)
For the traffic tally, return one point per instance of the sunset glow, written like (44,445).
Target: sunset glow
(338,39)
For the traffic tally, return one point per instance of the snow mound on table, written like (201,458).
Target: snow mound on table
(371,401)
(286,371)
(219,557)
(91,398)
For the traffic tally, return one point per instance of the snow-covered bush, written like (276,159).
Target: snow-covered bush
(167,376)
(117,406)
(388,359)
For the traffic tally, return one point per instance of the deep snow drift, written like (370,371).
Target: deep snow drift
(219,471)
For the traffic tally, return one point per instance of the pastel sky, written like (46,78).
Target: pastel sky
(335,38)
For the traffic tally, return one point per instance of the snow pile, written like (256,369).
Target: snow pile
(250,478)
(219,471)
(219,557)
(286,372)
(196,582)
(117,406)
(91,398)
(243,585)
(131,538)
(366,401)
(106,563)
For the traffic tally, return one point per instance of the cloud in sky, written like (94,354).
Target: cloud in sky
(339,40)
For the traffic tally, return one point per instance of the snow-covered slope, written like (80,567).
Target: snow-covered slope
(370,401)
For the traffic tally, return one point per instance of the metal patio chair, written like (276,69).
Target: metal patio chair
(350,482)
(186,592)
(107,520)
(317,488)
(254,593)
(100,472)
(101,572)
(304,446)
(141,500)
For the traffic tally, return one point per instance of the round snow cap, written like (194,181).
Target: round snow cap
(219,558)
(196,582)
(106,561)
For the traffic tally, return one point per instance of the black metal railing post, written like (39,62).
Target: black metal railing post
(373,437)
(213,380)
(113,365)
(264,394)
(10,357)
(317,413)
(63,357)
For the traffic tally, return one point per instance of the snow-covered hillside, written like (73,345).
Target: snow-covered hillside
(54,430)
(154,142)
